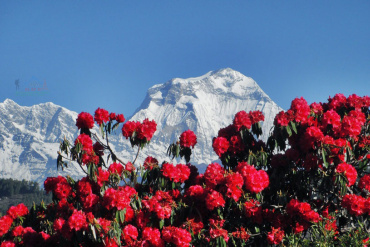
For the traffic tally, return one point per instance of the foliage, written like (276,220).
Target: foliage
(13,192)
(309,185)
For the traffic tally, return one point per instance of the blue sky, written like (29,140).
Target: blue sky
(93,54)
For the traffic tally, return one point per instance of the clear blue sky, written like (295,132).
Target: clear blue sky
(108,53)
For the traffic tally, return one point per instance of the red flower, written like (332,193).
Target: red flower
(281,119)
(331,118)
(188,139)
(129,128)
(120,118)
(275,236)
(130,234)
(102,176)
(257,181)
(253,210)
(112,116)
(77,221)
(150,163)
(234,184)
(354,204)
(7,244)
(17,211)
(116,168)
(85,142)
(101,116)
(349,171)
(153,236)
(85,120)
(214,199)
(256,116)
(220,145)
(300,110)
(177,236)
(5,224)
(146,130)
(214,175)
(242,119)
(365,182)
(59,186)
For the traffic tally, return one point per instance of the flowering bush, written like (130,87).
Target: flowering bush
(308,185)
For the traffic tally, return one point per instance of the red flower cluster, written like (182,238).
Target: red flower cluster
(243,119)
(254,181)
(160,204)
(101,115)
(178,174)
(177,236)
(17,211)
(85,120)
(303,214)
(355,204)
(150,163)
(349,171)
(143,131)
(59,186)
(188,139)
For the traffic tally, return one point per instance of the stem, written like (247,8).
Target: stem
(137,155)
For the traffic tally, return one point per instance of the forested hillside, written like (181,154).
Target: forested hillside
(13,192)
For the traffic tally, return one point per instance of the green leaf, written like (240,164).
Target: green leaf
(326,165)
(288,129)
(161,223)
(293,127)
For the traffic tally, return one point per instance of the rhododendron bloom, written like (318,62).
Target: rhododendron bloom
(17,211)
(256,116)
(275,236)
(129,128)
(5,223)
(153,235)
(349,171)
(354,204)
(101,116)
(214,199)
(77,220)
(188,139)
(300,110)
(177,236)
(130,234)
(242,119)
(7,244)
(85,142)
(220,145)
(281,119)
(365,182)
(214,175)
(150,163)
(85,120)
(116,168)
(120,118)
(257,181)
(145,131)
(58,185)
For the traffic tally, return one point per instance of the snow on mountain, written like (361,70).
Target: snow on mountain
(29,140)
(203,104)
(30,136)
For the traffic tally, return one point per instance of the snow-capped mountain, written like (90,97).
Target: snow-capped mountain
(203,104)
(30,136)
(29,140)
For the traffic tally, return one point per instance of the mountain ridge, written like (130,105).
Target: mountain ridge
(30,135)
